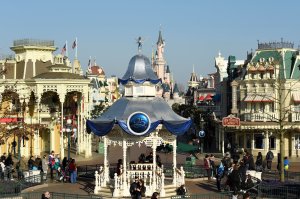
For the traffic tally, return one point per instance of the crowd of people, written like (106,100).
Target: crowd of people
(65,170)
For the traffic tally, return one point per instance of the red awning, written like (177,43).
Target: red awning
(296,97)
(7,120)
(208,97)
(201,98)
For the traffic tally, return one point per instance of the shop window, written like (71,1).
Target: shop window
(262,107)
(248,140)
(241,141)
(272,142)
(297,141)
(258,141)
(271,109)
(253,107)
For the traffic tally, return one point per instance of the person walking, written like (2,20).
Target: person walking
(134,187)
(286,163)
(51,161)
(269,158)
(9,166)
(45,164)
(207,166)
(73,171)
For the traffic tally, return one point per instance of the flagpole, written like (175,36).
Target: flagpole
(76,48)
(66,48)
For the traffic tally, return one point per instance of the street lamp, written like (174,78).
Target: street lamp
(201,134)
(69,130)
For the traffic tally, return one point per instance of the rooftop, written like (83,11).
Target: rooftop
(33,42)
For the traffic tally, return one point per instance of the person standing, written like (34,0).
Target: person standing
(212,164)
(73,171)
(286,165)
(133,188)
(45,164)
(259,162)
(9,165)
(207,166)
(51,161)
(269,158)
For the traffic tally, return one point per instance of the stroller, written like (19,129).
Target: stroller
(63,174)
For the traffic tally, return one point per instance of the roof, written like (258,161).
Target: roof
(176,90)
(166,87)
(139,67)
(96,70)
(155,107)
(160,40)
(58,75)
(168,69)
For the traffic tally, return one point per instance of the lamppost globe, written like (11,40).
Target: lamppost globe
(68,130)
(74,130)
(63,129)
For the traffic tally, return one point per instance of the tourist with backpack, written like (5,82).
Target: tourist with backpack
(219,175)
(269,158)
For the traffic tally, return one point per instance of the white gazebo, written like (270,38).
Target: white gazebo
(139,118)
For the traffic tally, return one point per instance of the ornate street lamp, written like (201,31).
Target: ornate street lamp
(69,130)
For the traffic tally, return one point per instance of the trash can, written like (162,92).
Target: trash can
(101,148)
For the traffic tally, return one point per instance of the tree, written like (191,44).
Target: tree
(98,110)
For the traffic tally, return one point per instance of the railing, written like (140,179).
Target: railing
(278,190)
(295,117)
(274,176)
(53,195)
(99,180)
(260,117)
(33,42)
(180,176)
(204,196)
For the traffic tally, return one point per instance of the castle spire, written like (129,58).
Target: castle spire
(160,40)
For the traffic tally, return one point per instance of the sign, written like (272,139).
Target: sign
(231,121)
(138,123)
(201,133)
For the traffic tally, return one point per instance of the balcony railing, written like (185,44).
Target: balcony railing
(295,117)
(260,117)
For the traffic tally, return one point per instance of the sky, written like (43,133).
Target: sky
(194,30)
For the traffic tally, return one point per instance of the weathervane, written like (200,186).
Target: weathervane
(140,42)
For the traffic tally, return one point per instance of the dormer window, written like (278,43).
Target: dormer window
(252,76)
(261,75)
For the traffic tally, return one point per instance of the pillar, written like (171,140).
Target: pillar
(174,160)
(154,145)
(222,138)
(252,142)
(234,109)
(124,145)
(62,149)
(267,142)
(105,161)
(33,68)
(37,144)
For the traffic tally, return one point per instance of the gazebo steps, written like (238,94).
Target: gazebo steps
(105,192)
(170,190)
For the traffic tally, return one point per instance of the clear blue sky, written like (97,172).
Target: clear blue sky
(194,30)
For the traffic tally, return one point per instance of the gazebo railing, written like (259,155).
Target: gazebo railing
(179,176)
(99,180)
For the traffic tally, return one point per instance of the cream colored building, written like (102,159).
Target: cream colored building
(57,90)
(265,96)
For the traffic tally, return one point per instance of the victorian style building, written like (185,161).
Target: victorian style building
(265,96)
(40,91)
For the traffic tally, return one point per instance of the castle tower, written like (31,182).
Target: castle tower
(159,61)
(194,81)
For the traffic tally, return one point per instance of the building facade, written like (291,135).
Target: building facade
(265,96)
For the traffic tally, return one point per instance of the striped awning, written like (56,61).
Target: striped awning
(201,98)
(296,96)
(265,97)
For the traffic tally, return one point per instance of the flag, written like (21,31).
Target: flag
(89,64)
(74,44)
(64,49)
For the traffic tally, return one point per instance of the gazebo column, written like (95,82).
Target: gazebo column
(125,188)
(62,149)
(105,162)
(37,134)
(154,146)
(174,161)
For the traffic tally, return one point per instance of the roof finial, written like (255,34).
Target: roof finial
(139,41)
(219,53)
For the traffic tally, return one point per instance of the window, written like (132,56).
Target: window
(271,109)
(297,141)
(248,140)
(272,142)
(261,75)
(241,141)
(252,76)
(297,107)
(262,107)
(258,141)
(253,107)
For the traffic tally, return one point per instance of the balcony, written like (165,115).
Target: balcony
(295,117)
(260,117)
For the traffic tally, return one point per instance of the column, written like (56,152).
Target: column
(124,145)
(78,147)
(105,162)
(234,109)
(154,145)
(222,138)
(33,68)
(62,149)
(37,134)
(266,149)
(174,160)
(252,142)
